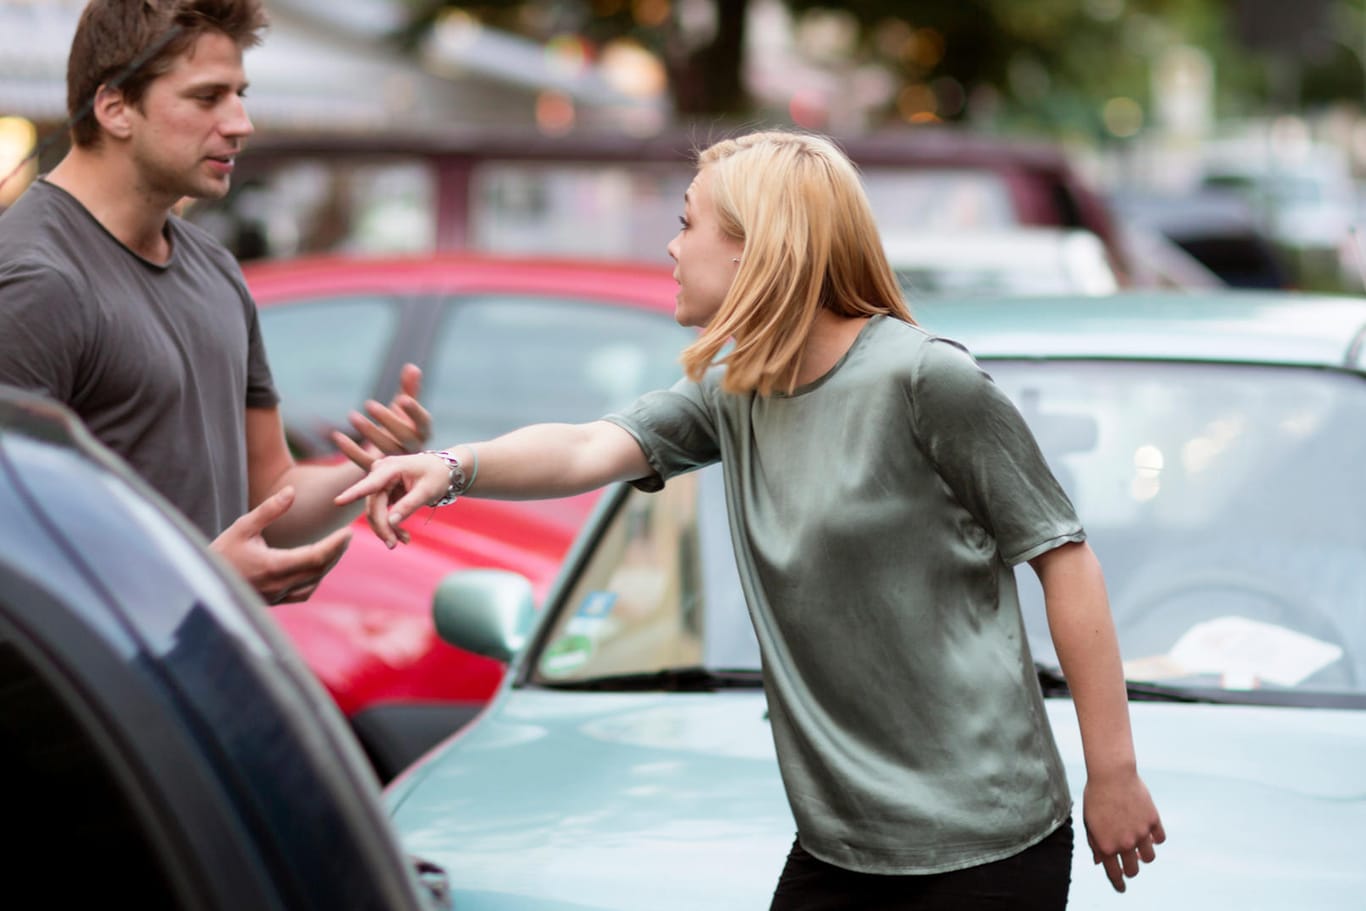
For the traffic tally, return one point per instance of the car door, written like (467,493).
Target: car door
(160,744)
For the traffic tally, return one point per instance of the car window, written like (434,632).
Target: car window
(383,204)
(605,209)
(660,591)
(939,199)
(326,356)
(501,362)
(64,804)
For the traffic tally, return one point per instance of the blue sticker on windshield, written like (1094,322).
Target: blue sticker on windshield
(596,604)
(591,614)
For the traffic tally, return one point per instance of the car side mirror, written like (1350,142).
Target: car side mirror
(486,611)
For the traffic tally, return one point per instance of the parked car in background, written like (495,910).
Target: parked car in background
(163,746)
(1211,443)
(1305,199)
(502,342)
(1217,228)
(1158,262)
(1016,261)
(599,195)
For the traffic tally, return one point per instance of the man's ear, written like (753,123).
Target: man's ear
(112,111)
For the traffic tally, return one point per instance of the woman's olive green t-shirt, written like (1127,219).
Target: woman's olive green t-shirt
(876,515)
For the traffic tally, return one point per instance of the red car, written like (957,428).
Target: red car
(502,343)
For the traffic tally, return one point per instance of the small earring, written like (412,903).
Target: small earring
(736,259)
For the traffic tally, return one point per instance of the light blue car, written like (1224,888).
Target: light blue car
(1215,448)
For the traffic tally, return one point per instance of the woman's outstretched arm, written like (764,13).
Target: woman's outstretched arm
(537,462)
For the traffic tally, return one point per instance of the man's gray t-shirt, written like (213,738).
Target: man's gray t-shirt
(159,361)
(876,515)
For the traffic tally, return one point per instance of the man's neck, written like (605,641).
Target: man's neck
(110,190)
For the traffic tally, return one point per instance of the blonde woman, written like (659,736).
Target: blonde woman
(880,488)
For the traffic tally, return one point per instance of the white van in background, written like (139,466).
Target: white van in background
(1009,261)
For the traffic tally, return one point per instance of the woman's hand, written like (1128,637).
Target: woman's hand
(1122,825)
(397,487)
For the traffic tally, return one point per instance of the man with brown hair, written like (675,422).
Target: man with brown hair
(142,323)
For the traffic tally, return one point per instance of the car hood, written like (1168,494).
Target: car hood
(562,801)
(1260,804)
(559,801)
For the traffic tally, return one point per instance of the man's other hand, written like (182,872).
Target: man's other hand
(278,574)
(399,428)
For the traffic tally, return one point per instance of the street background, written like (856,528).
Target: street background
(1161,105)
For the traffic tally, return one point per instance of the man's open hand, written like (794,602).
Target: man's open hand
(278,574)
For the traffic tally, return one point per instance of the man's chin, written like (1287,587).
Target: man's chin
(216,190)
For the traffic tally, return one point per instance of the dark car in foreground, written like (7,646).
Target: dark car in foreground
(161,745)
(502,342)
(1213,446)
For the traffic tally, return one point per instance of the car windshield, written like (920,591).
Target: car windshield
(1224,502)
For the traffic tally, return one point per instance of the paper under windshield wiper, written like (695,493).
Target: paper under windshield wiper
(673,679)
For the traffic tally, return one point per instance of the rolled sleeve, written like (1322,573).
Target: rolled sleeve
(675,429)
(985,452)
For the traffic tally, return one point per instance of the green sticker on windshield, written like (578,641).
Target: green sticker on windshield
(566,655)
(591,622)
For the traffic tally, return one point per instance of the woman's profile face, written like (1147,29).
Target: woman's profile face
(706,259)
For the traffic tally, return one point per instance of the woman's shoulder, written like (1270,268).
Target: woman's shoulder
(917,348)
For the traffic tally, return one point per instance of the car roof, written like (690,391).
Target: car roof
(924,145)
(1221,326)
(645,285)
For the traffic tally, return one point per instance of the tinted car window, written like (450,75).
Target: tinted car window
(503,362)
(326,356)
(60,791)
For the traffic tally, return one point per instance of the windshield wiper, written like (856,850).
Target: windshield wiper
(673,679)
(1053,683)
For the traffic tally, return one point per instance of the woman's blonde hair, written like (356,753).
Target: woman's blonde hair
(797,204)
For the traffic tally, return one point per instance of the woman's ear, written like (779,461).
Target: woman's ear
(111,110)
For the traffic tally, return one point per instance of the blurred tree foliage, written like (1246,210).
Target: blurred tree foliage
(1043,66)
(704,71)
